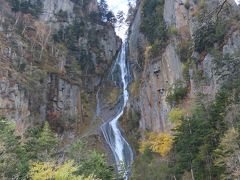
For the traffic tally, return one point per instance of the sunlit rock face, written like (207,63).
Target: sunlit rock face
(53,88)
(159,73)
(52,7)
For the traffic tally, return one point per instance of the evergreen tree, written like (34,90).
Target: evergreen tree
(41,143)
(90,162)
(47,139)
(33,7)
(105,14)
(103,9)
(227,155)
(198,136)
(111,18)
(13,156)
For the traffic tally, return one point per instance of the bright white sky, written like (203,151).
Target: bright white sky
(116,6)
(122,5)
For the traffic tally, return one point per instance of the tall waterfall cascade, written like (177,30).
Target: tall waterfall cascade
(119,146)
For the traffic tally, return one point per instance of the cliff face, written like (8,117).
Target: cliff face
(155,76)
(52,63)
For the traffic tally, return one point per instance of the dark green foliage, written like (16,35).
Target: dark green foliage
(95,164)
(33,7)
(130,123)
(90,162)
(62,16)
(185,50)
(105,14)
(70,36)
(153,25)
(185,70)
(81,3)
(227,154)
(84,29)
(156,47)
(149,166)
(41,143)
(13,156)
(198,136)
(207,35)
(187,4)
(39,146)
(111,18)
(177,93)
(103,9)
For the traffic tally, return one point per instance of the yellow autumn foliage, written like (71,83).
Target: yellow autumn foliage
(176,114)
(49,170)
(157,142)
(42,171)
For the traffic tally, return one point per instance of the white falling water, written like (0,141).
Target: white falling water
(119,146)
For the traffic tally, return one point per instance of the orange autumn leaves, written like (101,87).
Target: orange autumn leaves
(160,143)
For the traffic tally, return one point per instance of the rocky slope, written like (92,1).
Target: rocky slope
(154,76)
(53,63)
(56,59)
(184,100)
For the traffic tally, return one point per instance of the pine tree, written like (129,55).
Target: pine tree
(13,156)
(103,9)
(228,155)
(47,139)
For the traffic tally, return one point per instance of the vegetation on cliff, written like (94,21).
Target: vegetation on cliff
(37,155)
(27,7)
(47,64)
(206,129)
(204,141)
(153,25)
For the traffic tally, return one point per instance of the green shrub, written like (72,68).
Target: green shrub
(173,31)
(156,47)
(184,50)
(176,115)
(187,4)
(33,7)
(90,162)
(150,166)
(62,16)
(13,157)
(198,135)
(153,25)
(134,88)
(113,95)
(185,71)
(206,36)
(177,93)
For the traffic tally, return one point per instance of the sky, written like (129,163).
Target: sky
(122,5)
(116,6)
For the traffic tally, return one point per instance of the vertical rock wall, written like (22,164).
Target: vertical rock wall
(161,72)
(56,88)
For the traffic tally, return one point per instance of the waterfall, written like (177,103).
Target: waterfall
(98,109)
(119,146)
